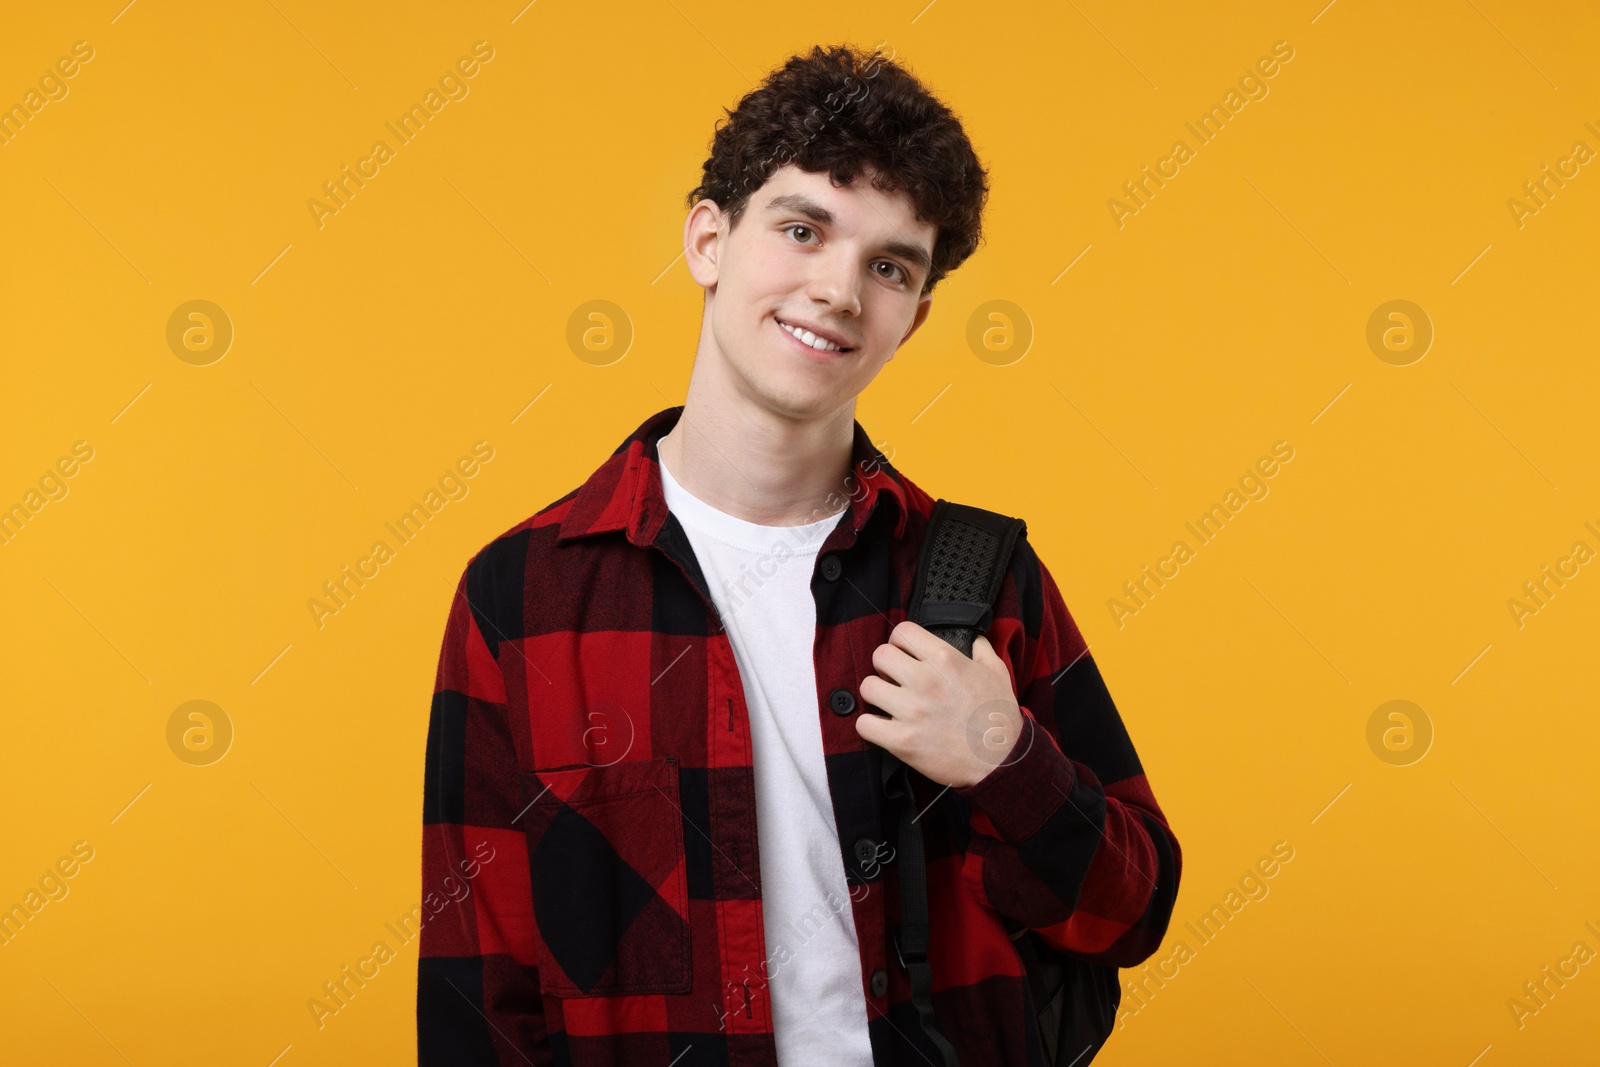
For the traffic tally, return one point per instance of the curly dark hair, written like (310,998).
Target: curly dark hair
(842,110)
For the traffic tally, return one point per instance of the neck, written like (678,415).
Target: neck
(757,464)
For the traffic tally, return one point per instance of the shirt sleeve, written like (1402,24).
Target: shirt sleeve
(1067,837)
(478,996)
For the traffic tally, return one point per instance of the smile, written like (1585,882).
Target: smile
(810,340)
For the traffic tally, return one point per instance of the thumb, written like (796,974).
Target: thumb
(982,647)
(984,652)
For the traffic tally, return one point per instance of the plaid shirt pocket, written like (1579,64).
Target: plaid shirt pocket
(610,897)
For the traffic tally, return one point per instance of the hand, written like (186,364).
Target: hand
(951,719)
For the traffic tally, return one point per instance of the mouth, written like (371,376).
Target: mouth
(817,348)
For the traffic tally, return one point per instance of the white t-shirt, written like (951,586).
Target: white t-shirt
(760,579)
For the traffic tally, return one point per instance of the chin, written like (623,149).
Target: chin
(796,403)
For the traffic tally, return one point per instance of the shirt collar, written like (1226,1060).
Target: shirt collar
(624,493)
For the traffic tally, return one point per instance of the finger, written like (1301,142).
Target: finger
(875,729)
(883,695)
(916,639)
(983,649)
(985,654)
(894,663)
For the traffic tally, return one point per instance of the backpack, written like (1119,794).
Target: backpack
(961,565)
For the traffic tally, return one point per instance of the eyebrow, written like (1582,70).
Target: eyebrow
(804,205)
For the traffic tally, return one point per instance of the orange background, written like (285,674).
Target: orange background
(432,312)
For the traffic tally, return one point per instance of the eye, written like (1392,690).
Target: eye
(902,278)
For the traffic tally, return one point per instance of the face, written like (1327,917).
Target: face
(846,263)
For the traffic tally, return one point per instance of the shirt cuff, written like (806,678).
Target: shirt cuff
(1027,787)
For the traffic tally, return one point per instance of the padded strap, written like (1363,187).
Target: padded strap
(962,563)
(956,613)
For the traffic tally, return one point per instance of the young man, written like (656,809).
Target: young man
(654,826)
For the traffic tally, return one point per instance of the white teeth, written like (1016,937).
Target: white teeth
(811,339)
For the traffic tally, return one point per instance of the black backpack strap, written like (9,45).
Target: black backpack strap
(911,939)
(960,568)
(962,563)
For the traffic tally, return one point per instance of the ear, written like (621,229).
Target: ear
(703,231)
(924,306)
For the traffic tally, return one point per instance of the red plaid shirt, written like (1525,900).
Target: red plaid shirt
(592,890)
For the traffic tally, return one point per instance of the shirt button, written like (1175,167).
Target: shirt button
(831,567)
(842,701)
(866,851)
(880,983)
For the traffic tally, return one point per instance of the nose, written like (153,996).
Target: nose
(836,283)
